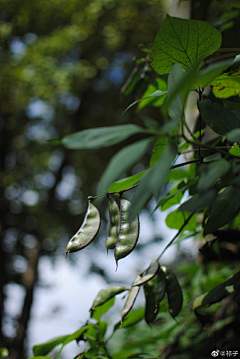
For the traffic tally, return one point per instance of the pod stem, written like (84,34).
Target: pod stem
(176,235)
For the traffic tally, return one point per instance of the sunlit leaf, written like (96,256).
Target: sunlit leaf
(154,94)
(226,85)
(159,84)
(45,348)
(126,182)
(183,41)
(176,219)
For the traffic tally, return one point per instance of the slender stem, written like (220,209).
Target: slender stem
(176,235)
(200,123)
(204,149)
(202,146)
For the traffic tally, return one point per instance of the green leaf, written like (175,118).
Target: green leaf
(160,85)
(232,106)
(224,209)
(184,42)
(173,198)
(100,137)
(217,117)
(39,357)
(170,198)
(98,312)
(218,293)
(234,136)
(45,348)
(74,336)
(130,301)
(132,318)
(226,85)
(123,161)
(126,182)
(235,150)
(214,157)
(148,274)
(199,200)
(210,172)
(159,147)
(105,294)
(152,181)
(154,94)
(194,77)
(175,110)
(176,219)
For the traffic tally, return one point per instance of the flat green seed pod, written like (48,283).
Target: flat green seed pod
(148,274)
(161,286)
(114,215)
(130,301)
(151,311)
(87,232)
(128,233)
(174,292)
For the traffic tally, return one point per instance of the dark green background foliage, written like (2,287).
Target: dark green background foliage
(62,67)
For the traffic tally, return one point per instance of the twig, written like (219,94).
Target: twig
(176,235)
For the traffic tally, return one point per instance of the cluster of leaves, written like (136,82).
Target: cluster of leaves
(212,180)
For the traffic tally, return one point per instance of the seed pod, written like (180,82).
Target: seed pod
(114,214)
(87,232)
(174,292)
(130,301)
(161,286)
(128,233)
(148,274)
(151,310)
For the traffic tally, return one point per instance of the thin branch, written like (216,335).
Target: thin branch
(176,235)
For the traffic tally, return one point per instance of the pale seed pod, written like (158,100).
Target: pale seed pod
(128,233)
(114,215)
(87,232)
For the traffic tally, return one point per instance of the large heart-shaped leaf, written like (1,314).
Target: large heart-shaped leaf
(183,41)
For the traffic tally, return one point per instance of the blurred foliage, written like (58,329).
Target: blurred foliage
(62,66)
